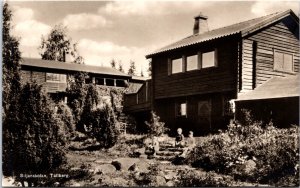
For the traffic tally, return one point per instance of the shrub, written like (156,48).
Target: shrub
(273,152)
(104,126)
(192,178)
(34,136)
(155,127)
(66,121)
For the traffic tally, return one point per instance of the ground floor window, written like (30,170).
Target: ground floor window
(181,109)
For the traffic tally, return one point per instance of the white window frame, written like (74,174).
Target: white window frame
(182,68)
(215,51)
(284,53)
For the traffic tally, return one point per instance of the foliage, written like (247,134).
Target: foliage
(65,120)
(34,135)
(104,126)
(76,94)
(273,152)
(148,178)
(90,103)
(113,63)
(57,44)
(193,178)
(11,63)
(132,68)
(121,67)
(155,127)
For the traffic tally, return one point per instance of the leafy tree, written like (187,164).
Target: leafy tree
(76,94)
(34,136)
(11,88)
(11,62)
(90,103)
(121,67)
(105,126)
(57,44)
(132,68)
(113,63)
(155,127)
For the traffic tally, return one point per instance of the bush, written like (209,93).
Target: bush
(155,127)
(192,178)
(104,126)
(66,121)
(273,153)
(34,135)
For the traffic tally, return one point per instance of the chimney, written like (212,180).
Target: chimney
(200,25)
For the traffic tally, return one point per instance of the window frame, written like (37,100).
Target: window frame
(182,65)
(284,53)
(178,107)
(60,80)
(215,58)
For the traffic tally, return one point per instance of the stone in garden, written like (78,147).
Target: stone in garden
(159,181)
(124,163)
(105,169)
(143,156)
(170,184)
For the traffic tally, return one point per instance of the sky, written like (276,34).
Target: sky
(127,30)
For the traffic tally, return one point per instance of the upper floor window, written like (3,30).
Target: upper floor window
(53,77)
(192,62)
(177,65)
(208,59)
(283,61)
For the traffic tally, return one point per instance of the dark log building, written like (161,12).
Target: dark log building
(195,79)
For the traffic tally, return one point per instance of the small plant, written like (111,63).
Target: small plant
(155,127)
(193,178)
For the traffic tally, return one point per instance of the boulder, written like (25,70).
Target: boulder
(159,181)
(124,163)
(105,169)
(140,166)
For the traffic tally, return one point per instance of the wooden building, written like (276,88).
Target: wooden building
(194,79)
(54,75)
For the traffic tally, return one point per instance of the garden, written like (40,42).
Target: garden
(50,143)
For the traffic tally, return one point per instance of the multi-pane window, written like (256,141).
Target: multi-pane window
(283,61)
(181,109)
(176,65)
(208,59)
(53,77)
(192,62)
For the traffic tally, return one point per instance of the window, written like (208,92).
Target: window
(99,81)
(120,83)
(181,109)
(110,82)
(53,77)
(192,62)
(177,65)
(208,59)
(283,61)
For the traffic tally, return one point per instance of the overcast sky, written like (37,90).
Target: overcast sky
(127,30)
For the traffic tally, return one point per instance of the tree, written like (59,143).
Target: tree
(113,63)
(11,62)
(57,45)
(121,67)
(11,87)
(76,94)
(131,70)
(34,136)
(90,103)
(155,127)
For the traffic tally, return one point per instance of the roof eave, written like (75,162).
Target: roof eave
(268,22)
